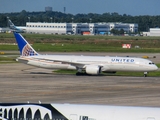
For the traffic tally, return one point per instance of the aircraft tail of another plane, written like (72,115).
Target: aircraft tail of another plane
(13,27)
(24,46)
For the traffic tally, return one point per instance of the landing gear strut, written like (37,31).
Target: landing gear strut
(145,74)
(80,73)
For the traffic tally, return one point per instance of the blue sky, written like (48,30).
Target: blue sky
(130,7)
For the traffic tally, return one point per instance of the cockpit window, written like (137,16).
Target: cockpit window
(151,63)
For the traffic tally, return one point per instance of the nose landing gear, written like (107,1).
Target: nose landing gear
(145,74)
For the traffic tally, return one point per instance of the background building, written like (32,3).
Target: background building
(79,28)
(152,32)
(48,9)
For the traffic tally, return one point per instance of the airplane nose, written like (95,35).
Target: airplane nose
(155,68)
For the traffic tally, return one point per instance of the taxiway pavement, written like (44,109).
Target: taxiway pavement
(22,83)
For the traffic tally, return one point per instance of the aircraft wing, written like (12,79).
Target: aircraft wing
(26,60)
(76,64)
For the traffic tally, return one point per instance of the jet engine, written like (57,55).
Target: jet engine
(93,69)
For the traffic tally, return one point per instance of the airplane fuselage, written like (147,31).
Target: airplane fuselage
(92,65)
(107,63)
(33,111)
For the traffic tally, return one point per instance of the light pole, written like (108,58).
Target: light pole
(72,19)
(90,20)
(29,25)
(29,19)
(51,19)
(54,19)
(8,22)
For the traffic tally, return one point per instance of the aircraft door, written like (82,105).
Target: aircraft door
(83,117)
(73,117)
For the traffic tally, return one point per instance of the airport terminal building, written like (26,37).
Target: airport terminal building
(78,28)
(152,32)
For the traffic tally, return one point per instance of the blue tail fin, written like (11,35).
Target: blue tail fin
(24,46)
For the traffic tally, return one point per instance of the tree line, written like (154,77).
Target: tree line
(20,18)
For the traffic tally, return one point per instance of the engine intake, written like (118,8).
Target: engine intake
(93,69)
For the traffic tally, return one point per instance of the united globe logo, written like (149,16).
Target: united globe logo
(27,51)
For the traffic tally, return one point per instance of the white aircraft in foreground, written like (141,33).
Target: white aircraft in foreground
(31,111)
(92,65)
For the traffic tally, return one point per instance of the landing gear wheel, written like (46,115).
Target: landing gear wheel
(78,73)
(81,73)
(145,74)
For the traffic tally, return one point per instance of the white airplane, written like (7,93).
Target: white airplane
(92,65)
(19,29)
(31,111)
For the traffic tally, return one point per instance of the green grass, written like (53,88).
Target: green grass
(79,47)
(80,43)
(89,47)
(8,47)
(78,37)
(5,60)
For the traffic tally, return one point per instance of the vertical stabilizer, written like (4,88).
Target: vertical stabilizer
(14,28)
(11,25)
(24,47)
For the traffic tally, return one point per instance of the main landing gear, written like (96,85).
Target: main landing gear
(145,74)
(81,73)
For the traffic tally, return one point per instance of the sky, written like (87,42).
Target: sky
(129,7)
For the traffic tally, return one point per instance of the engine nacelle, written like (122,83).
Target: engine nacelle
(93,69)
